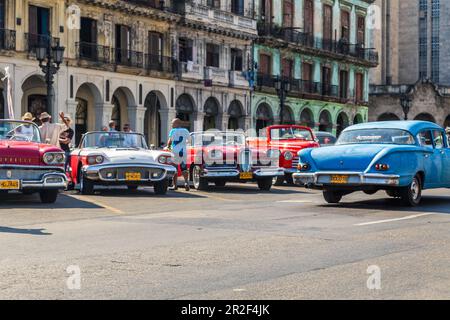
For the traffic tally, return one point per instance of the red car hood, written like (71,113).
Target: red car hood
(23,153)
(293,145)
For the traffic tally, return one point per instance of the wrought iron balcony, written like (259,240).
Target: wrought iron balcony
(93,52)
(156,4)
(7,39)
(160,63)
(33,40)
(129,58)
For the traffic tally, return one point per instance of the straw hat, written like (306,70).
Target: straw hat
(44,115)
(28,116)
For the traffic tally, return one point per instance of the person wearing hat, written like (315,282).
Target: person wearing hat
(50,132)
(65,139)
(26,129)
(178,139)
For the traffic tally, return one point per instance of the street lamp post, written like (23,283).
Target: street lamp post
(282,86)
(405,102)
(52,57)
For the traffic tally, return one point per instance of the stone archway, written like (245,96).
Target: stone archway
(153,104)
(211,110)
(358,119)
(288,115)
(447,122)
(264,117)
(122,98)
(34,98)
(341,123)
(388,117)
(307,118)
(325,122)
(425,117)
(87,96)
(185,110)
(236,116)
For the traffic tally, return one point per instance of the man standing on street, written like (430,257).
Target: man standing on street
(50,132)
(65,139)
(178,138)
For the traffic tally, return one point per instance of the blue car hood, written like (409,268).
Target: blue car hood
(354,157)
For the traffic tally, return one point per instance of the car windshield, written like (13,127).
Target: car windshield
(19,131)
(218,139)
(376,136)
(290,133)
(326,139)
(114,140)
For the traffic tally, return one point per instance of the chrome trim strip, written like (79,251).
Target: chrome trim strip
(12,166)
(364,178)
(44,184)
(168,171)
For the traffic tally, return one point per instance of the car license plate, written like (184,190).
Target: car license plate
(132,176)
(9,185)
(339,179)
(246,175)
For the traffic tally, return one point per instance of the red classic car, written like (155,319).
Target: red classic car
(289,140)
(26,164)
(221,157)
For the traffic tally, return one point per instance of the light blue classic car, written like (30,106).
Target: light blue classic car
(400,157)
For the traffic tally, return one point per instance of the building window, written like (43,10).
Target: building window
(361,28)
(265,64)
(266,10)
(213,3)
(212,55)
(435,40)
(38,26)
(288,13)
(237,7)
(287,68)
(185,49)
(2,14)
(88,38)
(326,80)
(123,44)
(423,38)
(236,59)
(308,16)
(345,25)
(343,84)
(327,27)
(359,87)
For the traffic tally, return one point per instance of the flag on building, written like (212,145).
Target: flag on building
(7,92)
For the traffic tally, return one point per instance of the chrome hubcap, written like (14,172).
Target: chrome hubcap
(415,189)
(196,177)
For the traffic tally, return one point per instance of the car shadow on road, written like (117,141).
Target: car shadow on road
(34,232)
(20,201)
(253,189)
(432,204)
(146,193)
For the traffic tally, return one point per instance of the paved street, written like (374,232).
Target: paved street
(230,243)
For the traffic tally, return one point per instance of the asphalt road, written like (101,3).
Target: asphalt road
(231,243)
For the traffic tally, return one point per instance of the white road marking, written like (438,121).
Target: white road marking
(393,220)
(239,290)
(294,201)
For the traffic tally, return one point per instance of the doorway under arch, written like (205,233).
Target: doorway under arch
(264,117)
(34,97)
(341,123)
(307,118)
(325,123)
(121,99)
(358,119)
(87,97)
(185,109)
(425,117)
(288,115)
(152,119)
(388,117)
(236,118)
(211,110)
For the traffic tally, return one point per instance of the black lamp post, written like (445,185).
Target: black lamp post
(283,86)
(53,57)
(406,103)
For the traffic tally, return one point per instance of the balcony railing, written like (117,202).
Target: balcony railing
(160,63)
(7,39)
(307,40)
(33,40)
(93,52)
(129,58)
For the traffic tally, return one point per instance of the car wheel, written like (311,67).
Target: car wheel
(332,196)
(220,183)
(412,194)
(161,187)
(86,186)
(199,182)
(265,184)
(278,180)
(48,196)
(132,188)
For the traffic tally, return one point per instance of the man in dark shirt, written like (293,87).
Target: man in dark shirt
(65,139)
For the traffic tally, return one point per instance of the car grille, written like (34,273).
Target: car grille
(23,174)
(221,166)
(294,162)
(117,174)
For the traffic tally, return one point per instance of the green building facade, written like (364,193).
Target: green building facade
(317,52)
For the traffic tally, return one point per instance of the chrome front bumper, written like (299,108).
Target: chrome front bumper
(93,172)
(234,173)
(319,179)
(54,180)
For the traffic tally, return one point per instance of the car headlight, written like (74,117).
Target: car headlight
(97,159)
(54,158)
(162,159)
(273,153)
(288,155)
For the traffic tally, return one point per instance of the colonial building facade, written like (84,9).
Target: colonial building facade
(138,62)
(321,48)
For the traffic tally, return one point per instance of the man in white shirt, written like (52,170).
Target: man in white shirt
(50,132)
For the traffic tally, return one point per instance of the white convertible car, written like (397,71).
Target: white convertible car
(118,158)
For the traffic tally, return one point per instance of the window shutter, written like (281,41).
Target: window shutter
(361,30)
(345,25)
(264,64)
(32,20)
(309,16)
(288,16)
(327,22)
(307,71)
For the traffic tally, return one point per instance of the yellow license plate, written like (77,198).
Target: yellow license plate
(246,175)
(132,176)
(339,179)
(9,185)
